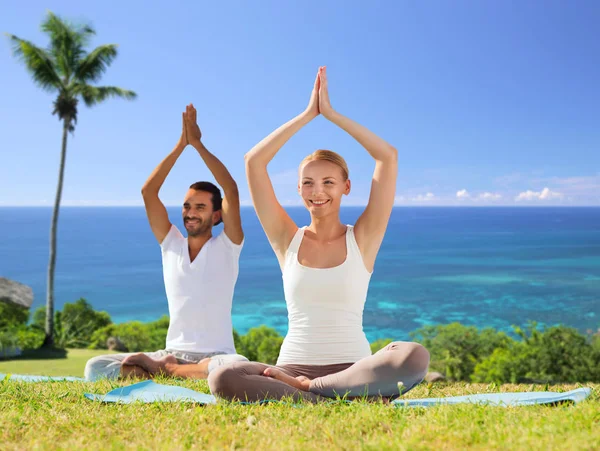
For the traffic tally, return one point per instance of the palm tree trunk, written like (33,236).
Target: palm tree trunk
(49,339)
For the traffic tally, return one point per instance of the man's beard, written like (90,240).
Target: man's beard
(202,228)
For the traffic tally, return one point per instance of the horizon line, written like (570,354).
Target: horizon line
(302,206)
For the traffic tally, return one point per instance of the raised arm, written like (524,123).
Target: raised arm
(370,227)
(230,210)
(155,209)
(278,226)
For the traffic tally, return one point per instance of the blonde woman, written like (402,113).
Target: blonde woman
(326,269)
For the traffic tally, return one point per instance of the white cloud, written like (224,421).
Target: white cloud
(462,194)
(545,194)
(490,196)
(574,190)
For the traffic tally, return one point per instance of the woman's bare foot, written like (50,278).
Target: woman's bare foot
(300,382)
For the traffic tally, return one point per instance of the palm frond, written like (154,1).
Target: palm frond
(93,95)
(95,64)
(38,62)
(67,42)
(57,27)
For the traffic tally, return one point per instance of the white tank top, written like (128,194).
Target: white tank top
(325,308)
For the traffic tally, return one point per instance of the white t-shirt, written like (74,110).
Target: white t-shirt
(200,293)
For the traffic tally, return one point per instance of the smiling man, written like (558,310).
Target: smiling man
(200,273)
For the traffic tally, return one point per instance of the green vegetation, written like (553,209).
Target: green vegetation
(137,336)
(555,354)
(260,344)
(12,315)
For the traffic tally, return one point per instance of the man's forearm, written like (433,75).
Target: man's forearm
(188,371)
(217,168)
(160,173)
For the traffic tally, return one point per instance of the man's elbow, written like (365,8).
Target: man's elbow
(393,152)
(148,191)
(232,191)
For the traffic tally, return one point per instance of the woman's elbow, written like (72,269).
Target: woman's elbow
(388,156)
(248,158)
(251,161)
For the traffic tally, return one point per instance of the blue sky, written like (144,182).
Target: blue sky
(488,103)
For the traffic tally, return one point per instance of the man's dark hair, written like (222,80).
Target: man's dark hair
(217,200)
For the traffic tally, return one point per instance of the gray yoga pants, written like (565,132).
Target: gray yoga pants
(373,376)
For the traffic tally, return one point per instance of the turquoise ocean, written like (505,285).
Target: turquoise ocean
(482,266)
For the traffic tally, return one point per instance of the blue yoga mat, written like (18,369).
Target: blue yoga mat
(149,391)
(500,399)
(29,378)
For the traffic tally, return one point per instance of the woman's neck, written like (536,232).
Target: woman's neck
(326,228)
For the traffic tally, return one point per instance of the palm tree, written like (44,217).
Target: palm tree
(66,68)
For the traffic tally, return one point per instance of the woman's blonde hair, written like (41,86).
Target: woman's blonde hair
(328,155)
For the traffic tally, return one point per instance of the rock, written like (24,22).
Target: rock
(435,377)
(15,293)
(114,344)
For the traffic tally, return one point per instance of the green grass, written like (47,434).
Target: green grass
(41,363)
(56,416)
